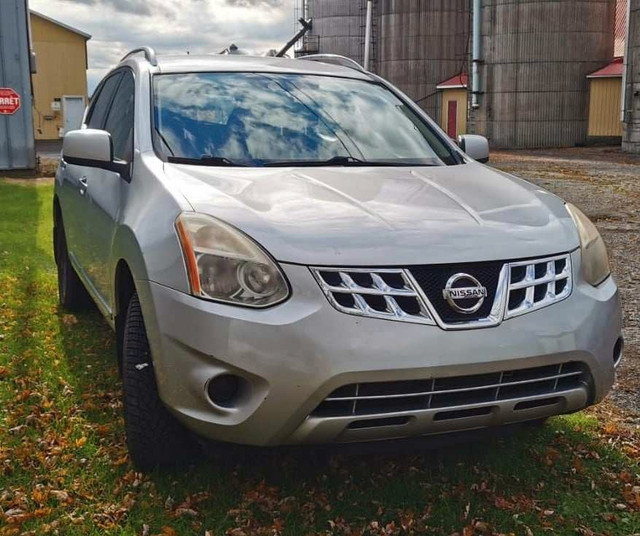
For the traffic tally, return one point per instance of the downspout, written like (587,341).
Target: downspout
(623,97)
(476,52)
(367,35)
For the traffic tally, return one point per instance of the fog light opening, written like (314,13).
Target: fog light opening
(226,390)
(617,351)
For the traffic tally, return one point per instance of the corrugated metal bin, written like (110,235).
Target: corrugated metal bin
(17,150)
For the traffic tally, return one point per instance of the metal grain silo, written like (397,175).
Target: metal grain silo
(420,43)
(338,27)
(534,59)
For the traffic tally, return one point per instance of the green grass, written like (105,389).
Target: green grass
(64,470)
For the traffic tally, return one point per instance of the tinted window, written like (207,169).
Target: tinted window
(258,119)
(100,105)
(120,120)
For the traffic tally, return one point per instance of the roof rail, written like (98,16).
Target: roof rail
(149,53)
(334,59)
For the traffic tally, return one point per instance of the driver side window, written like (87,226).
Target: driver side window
(120,119)
(101,102)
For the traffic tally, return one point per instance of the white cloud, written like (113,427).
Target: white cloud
(171,26)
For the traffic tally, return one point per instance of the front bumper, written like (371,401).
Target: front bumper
(295,354)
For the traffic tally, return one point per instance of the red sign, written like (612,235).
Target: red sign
(9,101)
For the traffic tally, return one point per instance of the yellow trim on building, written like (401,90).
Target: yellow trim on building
(604,107)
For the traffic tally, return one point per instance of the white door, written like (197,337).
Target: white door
(72,110)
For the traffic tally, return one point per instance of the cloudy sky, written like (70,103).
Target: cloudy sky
(171,26)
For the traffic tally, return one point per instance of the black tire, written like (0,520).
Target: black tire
(71,292)
(154,437)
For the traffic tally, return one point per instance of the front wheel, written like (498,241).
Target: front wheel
(154,437)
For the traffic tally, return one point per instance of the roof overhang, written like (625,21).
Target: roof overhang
(459,81)
(613,70)
(61,24)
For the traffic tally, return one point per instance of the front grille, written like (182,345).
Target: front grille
(384,293)
(537,283)
(416,293)
(432,280)
(444,393)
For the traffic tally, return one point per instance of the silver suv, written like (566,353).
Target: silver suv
(291,251)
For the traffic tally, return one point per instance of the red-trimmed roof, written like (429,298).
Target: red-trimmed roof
(614,69)
(459,80)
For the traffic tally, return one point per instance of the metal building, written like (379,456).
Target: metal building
(605,88)
(338,27)
(535,57)
(414,44)
(420,44)
(631,133)
(16,126)
(60,85)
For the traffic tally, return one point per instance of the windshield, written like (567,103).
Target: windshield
(287,119)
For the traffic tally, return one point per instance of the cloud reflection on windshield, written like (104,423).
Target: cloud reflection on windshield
(253,118)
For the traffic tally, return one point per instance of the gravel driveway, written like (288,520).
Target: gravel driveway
(605,184)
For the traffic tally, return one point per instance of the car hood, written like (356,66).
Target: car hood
(382,216)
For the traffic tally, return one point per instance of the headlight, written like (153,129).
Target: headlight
(595,261)
(225,265)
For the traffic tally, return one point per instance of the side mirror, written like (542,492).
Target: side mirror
(477,147)
(92,148)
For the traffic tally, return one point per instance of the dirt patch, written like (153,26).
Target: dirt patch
(605,184)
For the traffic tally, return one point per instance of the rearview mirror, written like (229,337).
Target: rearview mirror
(92,148)
(477,147)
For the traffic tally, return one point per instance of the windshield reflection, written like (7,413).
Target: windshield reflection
(257,119)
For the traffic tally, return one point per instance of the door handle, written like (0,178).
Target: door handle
(83,185)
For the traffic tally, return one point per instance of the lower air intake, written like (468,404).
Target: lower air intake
(443,393)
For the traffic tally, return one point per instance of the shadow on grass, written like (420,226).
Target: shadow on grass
(491,475)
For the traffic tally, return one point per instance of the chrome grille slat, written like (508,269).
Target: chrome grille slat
(371,291)
(450,391)
(549,279)
(447,393)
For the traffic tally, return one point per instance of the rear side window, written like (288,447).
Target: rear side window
(120,120)
(100,105)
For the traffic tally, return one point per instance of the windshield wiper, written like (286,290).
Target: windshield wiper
(338,161)
(334,161)
(205,161)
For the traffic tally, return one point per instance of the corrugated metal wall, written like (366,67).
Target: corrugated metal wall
(339,24)
(631,136)
(416,44)
(422,43)
(604,107)
(537,55)
(16,131)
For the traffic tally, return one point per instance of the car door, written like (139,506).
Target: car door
(105,187)
(73,183)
